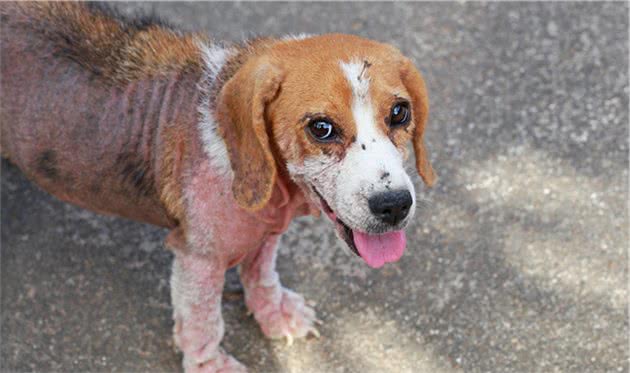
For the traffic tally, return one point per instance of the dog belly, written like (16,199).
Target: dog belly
(84,140)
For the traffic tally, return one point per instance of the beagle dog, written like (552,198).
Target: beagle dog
(222,144)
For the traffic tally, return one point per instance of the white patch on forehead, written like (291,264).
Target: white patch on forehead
(356,73)
(214,57)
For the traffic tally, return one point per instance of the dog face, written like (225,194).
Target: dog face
(338,111)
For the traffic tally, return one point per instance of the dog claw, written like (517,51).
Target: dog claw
(318,322)
(287,319)
(314,332)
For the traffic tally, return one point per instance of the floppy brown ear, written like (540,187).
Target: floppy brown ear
(420,105)
(241,115)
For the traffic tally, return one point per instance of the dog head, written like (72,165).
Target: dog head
(335,112)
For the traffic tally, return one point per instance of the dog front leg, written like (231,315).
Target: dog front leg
(280,312)
(196,288)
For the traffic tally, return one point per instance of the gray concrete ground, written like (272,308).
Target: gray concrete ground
(518,263)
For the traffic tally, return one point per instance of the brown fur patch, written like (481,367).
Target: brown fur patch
(420,105)
(116,50)
(174,151)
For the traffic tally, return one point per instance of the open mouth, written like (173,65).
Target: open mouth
(374,249)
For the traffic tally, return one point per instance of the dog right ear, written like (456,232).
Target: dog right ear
(414,83)
(241,107)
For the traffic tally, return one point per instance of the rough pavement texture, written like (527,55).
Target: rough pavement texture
(517,263)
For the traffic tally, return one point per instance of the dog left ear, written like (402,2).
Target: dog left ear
(241,114)
(420,105)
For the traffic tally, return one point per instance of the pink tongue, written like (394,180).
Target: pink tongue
(379,249)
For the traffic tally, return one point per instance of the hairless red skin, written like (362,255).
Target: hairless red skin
(101,146)
(89,143)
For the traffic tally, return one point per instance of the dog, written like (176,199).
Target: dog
(222,144)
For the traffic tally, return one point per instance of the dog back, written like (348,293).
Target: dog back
(85,123)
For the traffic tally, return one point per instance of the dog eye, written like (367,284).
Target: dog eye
(399,115)
(322,130)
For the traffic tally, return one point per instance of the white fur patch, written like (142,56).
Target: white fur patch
(356,74)
(300,36)
(214,57)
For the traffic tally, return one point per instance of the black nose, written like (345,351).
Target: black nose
(391,207)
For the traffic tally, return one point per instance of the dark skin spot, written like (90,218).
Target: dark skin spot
(384,175)
(363,146)
(134,173)
(47,164)
(91,119)
(95,188)
(373,140)
(366,65)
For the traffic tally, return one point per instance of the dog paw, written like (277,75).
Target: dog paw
(288,317)
(223,363)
